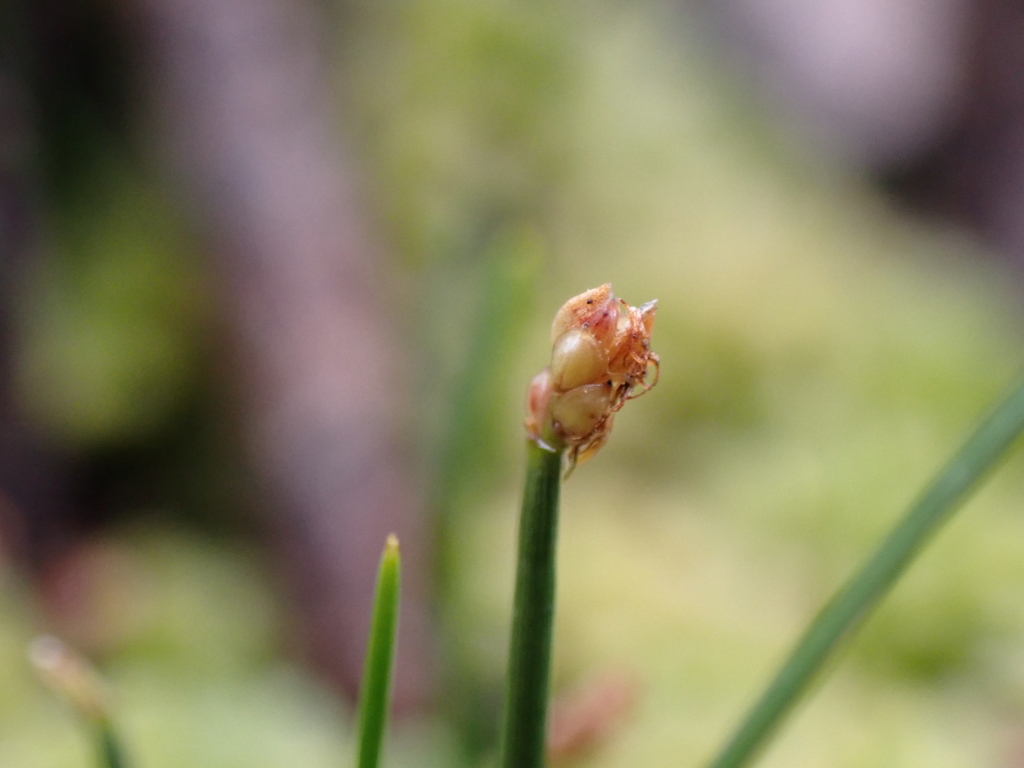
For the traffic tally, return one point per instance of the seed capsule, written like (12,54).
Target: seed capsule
(577,359)
(595,310)
(587,453)
(631,352)
(577,413)
(537,398)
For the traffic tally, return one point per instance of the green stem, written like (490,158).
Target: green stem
(376,684)
(855,600)
(529,659)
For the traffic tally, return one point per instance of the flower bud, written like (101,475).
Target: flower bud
(577,360)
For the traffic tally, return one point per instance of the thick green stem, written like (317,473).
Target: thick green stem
(380,651)
(529,659)
(854,601)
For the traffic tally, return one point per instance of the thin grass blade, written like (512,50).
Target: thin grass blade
(375,690)
(849,607)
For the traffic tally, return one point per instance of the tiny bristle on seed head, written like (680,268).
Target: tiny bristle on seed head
(647,312)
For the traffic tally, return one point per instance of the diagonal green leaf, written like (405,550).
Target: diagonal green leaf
(855,600)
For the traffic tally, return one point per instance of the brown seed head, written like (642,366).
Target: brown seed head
(600,356)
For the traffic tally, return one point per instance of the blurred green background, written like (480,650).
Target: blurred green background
(821,354)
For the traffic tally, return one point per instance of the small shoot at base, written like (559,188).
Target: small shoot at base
(375,691)
(74,680)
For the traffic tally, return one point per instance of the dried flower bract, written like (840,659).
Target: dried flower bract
(601,354)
